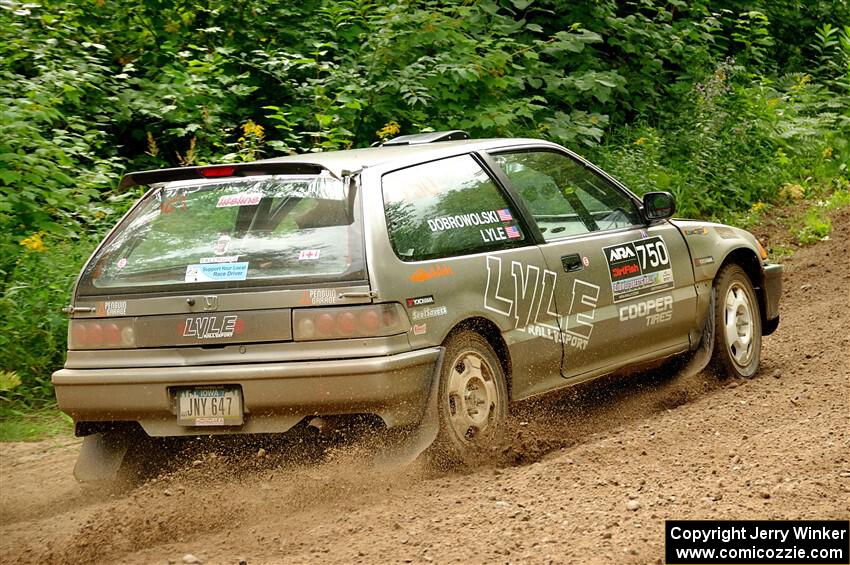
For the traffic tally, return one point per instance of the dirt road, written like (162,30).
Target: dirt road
(590,476)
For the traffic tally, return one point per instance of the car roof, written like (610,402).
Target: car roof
(338,163)
(354,160)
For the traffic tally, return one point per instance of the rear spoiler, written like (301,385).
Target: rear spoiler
(214,171)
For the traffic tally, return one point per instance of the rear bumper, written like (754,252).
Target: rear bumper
(276,396)
(772,293)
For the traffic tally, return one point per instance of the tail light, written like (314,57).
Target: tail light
(218,171)
(374,320)
(101,334)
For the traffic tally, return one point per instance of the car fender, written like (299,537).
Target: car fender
(711,246)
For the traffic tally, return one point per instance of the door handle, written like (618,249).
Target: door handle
(572,263)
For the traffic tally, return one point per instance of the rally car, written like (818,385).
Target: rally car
(245,298)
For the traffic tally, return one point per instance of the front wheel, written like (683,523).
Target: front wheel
(472,401)
(737,346)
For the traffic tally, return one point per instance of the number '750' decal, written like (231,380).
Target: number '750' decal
(638,267)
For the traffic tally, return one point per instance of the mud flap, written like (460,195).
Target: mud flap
(407,448)
(101,456)
(700,358)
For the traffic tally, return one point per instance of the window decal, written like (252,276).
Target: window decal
(244,199)
(470,219)
(212,272)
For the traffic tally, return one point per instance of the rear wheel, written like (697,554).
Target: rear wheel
(737,346)
(472,402)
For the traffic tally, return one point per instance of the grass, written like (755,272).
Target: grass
(794,222)
(33,424)
(816,225)
(779,253)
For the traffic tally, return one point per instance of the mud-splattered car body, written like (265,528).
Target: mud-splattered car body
(222,303)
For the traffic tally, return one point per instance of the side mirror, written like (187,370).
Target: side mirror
(658,205)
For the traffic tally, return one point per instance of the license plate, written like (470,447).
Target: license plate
(209,406)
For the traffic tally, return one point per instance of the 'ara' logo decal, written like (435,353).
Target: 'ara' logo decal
(619,253)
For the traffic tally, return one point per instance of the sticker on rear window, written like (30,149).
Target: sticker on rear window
(221,244)
(308,254)
(206,272)
(243,199)
(222,259)
(169,205)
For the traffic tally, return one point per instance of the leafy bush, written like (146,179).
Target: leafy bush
(33,328)
(735,142)
(55,153)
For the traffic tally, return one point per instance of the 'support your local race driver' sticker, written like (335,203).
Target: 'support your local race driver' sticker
(214,272)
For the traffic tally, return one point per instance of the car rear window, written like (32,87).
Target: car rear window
(230,233)
(447,207)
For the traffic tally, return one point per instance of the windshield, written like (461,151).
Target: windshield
(231,233)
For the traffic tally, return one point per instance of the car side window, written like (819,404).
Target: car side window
(565,197)
(447,207)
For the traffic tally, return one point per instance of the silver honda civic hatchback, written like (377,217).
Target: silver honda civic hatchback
(426,275)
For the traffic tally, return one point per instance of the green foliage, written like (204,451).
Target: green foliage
(718,102)
(32,326)
(839,199)
(816,226)
(832,49)
(9,381)
(55,153)
(736,142)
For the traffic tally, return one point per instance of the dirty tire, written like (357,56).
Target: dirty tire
(737,345)
(472,401)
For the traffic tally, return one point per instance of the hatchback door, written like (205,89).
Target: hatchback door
(621,296)
(215,261)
